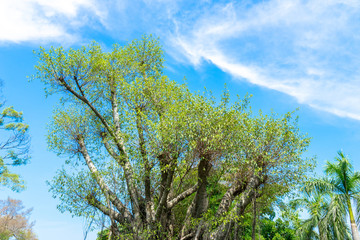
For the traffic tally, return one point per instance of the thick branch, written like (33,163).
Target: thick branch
(97,204)
(186,222)
(101,182)
(181,196)
(166,189)
(186,237)
(149,205)
(123,160)
(247,194)
(114,106)
(229,196)
(201,200)
(128,177)
(95,111)
(110,149)
(78,85)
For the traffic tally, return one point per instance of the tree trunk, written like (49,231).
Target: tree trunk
(149,205)
(253,234)
(243,202)
(236,230)
(354,229)
(185,228)
(321,235)
(201,201)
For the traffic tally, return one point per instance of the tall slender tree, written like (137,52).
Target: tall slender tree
(316,207)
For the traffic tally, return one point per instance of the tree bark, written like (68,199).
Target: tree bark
(248,191)
(167,174)
(101,182)
(201,201)
(181,196)
(354,229)
(253,233)
(149,205)
(123,159)
(104,209)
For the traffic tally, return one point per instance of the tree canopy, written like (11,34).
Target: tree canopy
(14,221)
(156,159)
(14,146)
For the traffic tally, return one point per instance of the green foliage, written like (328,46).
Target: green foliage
(135,142)
(268,228)
(103,235)
(14,146)
(277,229)
(328,201)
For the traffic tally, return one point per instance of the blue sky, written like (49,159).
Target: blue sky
(287,54)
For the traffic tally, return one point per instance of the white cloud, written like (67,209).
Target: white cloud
(43,20)
(307,49)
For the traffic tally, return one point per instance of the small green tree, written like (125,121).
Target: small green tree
(14,146)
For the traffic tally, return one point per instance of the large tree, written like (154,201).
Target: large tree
(158,160)
(14,146)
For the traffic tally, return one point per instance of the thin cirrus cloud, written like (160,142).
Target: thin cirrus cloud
(306,49)
(44,20)
(309,50)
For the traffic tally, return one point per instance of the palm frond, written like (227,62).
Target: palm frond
(306,231)
(354,183)
(319,186)
(335,218)
(327,198)
(356,199)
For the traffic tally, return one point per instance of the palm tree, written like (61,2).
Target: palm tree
(326,218)
(316,207)
(343,184)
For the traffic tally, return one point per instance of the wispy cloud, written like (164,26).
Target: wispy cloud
(44,20)
(307,49)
